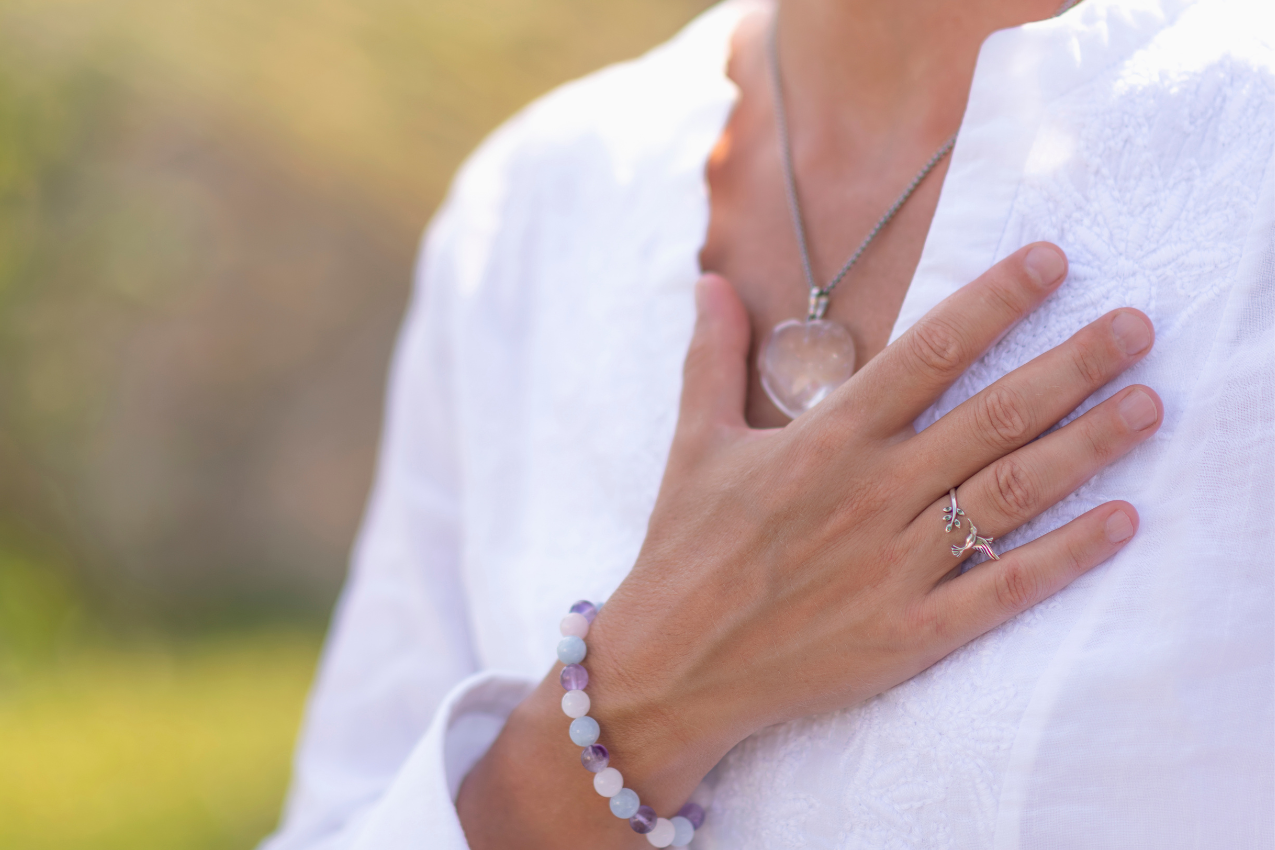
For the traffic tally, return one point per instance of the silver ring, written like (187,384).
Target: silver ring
(973,543)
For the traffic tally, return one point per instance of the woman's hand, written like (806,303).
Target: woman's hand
(800,570)
(795,571)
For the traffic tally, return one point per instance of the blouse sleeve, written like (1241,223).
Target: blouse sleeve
(400,710)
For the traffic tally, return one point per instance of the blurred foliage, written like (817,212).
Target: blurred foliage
(151,747)
(40,614)
(208,212)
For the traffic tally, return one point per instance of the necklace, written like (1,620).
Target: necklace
(802,362)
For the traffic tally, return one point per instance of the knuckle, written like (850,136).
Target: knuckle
(864,500)
(1000,415)
(1095,441)
(929,626)
(1013,489)
(1006,296)
(805,461)
(918,624)
(1075,558)
(1090,364)
(1016,587)
(937,346)
(817,447)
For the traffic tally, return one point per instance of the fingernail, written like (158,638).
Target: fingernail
(1132,332)
(1138,410)
(1119,527)
(1046,264)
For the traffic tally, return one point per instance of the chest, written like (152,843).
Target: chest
(844,188)
(570,368)
(752,242)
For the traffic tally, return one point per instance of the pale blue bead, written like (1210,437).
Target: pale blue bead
(584,731)
(571,650)
(625,804)
(683,832)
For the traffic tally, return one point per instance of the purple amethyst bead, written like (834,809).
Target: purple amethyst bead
(595,758)
(644,821)
(574,677)
(585,607)
(693,813)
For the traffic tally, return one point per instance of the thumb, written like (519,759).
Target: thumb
(715,377)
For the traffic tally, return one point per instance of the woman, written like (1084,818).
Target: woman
(783,604)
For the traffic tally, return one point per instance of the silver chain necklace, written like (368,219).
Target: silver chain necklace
(802,362)
(820,295)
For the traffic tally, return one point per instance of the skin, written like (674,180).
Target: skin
(796,570)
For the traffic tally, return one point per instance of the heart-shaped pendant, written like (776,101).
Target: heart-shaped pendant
(802,362)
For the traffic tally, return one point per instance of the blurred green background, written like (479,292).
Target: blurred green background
(208,214)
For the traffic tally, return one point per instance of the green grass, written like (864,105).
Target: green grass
(147,747)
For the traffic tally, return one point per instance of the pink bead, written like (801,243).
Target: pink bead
(608,783)
(574,625)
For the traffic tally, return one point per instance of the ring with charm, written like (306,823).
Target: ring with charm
(973,542)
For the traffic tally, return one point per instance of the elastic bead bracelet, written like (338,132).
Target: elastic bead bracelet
(676,831)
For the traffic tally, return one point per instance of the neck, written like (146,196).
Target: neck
(865,73)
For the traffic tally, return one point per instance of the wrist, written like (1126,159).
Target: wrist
(532,783)
(662,737)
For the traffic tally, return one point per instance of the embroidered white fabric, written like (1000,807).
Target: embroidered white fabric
(534,394)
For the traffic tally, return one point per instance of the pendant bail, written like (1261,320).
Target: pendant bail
(818,304)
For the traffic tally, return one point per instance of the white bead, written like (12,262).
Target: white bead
(683,832)
(575,704)
(574,624)
(608,782)
(662,835)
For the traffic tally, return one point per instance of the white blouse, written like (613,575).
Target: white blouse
(534,394)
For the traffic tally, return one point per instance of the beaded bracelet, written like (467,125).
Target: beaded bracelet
(607,781)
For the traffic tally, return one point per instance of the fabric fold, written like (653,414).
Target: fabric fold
(418,810)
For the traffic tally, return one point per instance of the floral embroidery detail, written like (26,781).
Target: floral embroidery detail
(921,766)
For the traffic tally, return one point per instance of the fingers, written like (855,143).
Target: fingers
(897,385)
(715,375)
(1027,401)
(1021,485)
(995,591)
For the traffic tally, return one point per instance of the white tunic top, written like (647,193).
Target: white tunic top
(534,395)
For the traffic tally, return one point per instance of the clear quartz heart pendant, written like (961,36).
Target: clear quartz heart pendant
(802,362)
